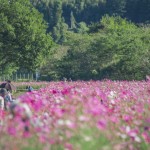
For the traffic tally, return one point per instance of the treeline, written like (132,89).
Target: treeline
(119,50)
(62,15)
(99,38)
(77,39)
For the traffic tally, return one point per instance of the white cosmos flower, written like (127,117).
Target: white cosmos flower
(60,122)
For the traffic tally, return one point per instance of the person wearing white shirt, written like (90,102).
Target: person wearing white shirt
(1,109)
(1,103)
(6,95)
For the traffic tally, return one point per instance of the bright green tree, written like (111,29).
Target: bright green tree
(120,49)
(23,39)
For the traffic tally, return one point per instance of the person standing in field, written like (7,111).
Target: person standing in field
(1,103)
(6,95)
(1,109)
(8,86)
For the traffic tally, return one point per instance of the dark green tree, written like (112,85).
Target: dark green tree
(77,63)
(89,11)
(116,7)
(120,51)
(138,11)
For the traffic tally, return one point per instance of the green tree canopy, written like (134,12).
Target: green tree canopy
(119,50)
(23,39)
(122,49)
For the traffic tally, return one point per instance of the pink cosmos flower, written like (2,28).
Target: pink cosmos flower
(102,124)
(127,118)
(146,137)
(12,131)
(68,146)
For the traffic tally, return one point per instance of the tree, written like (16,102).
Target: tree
(138,11)
(82,28)
(76,64)
(117,7)
(59,32)
(23,39)
(120,51)
(121,48)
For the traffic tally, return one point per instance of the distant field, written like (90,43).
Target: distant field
(21,86)
(92,115)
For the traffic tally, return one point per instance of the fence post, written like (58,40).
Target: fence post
(24,76)
(16,76)
(32,77)
(28,76)
(20,76)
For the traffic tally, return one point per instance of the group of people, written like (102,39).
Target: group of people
(9,104)
(6,94)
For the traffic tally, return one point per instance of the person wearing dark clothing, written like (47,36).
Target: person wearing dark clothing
(8,86)
(29,88)
(6,96)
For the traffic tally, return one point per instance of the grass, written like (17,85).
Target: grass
(89,138)
(33,144)
(22,89)
(144,146)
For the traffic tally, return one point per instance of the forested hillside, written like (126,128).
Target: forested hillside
(75,15)
(103,38)
(94,39)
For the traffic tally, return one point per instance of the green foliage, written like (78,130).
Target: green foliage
(120,50)
(96,45)
(77,15)
(23,38)
(59,32)
(90,139)
(49,70)
(116,7)
(76,63)
(91,10)
(138,11)
(82,28)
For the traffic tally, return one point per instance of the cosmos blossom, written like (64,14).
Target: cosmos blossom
(63,110)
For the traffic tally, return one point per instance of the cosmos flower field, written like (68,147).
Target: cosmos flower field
(92,115)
